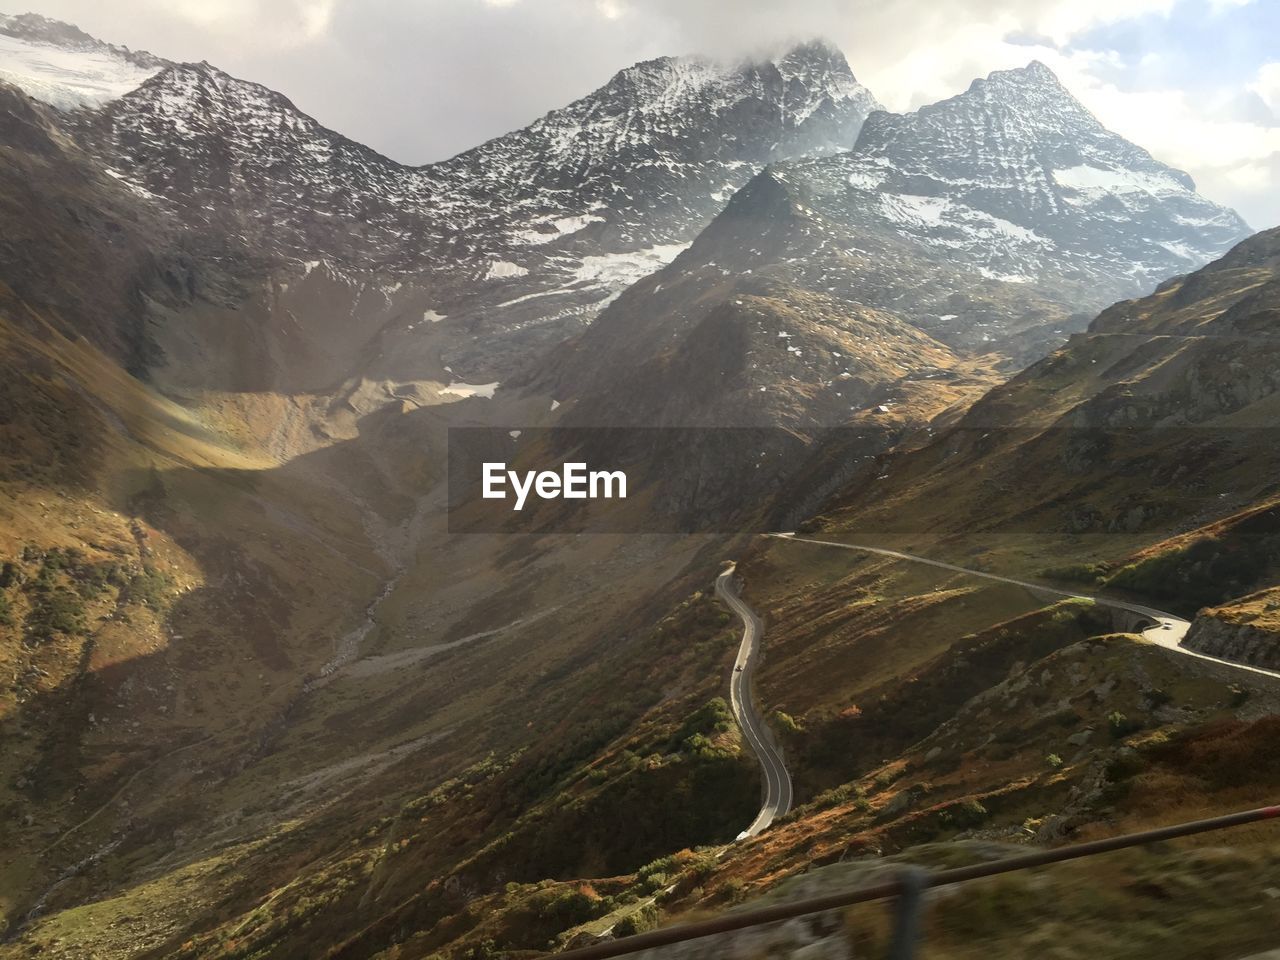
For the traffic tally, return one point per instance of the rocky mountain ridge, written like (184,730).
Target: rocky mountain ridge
(1016,179)
(193,131)
(792,307)
(523,238)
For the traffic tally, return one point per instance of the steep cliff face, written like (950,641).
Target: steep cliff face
(85,250)
(1016,178)
(1244,631)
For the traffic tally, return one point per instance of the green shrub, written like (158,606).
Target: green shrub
(787,722)
(655,882)
(147,587)
(840,794)
(663,865)
(886,778)
(968,813)
(703,867)
(567,907)
(55,610)
(695,734)
(646,918)
(1157,698)
(10,575)
(1088,573)
(1053,761)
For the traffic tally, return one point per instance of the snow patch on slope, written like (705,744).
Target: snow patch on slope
(617,271)
(1094,182)
(68,79)
(505,270)
(953,223)
(547,229)
(459,389)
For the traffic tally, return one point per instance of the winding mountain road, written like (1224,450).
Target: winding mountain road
(777,782)
(1168,631)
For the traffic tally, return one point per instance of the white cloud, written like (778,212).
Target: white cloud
(421,79)
(1267,86)
(279,24)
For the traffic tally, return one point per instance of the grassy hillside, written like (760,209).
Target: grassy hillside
(260,701)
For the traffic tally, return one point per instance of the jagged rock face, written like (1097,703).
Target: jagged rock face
(1237,642)
(675,135)
(524,238)
(34,28)
(1015,181)
(645,160)
(996,221)
(993,222)
(227,152)
(78,248)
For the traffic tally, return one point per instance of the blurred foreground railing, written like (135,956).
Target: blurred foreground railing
(908,886)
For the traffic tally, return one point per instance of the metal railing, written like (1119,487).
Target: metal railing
(908,887)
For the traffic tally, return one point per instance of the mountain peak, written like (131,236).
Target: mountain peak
(1018,81)
(822,66)
(39,29)
(814,61)
(1036,72)
(1034,92)
(204,90)
(1016,178)
(816,51)
(34,26)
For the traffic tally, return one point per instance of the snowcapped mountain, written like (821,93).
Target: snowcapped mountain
(1017,180)
(644,161)
(988,221)
(221,150)
(676,136)
(589,199)
(64,66)
(523,238)
(994,222)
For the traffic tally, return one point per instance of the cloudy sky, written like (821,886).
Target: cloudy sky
(1197,82)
